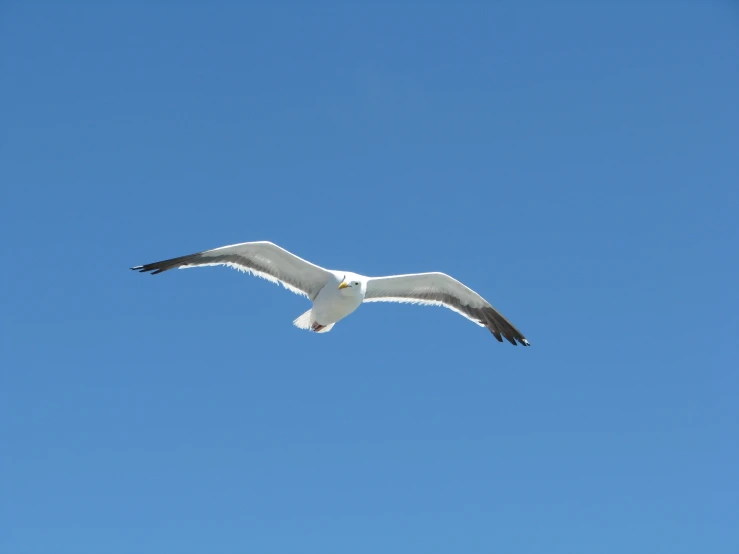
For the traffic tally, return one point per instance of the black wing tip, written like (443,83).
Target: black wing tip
(153,268)
(516,340)
(507,331)
(165,265)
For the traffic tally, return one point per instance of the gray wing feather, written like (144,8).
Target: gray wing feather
(441,289)
(264,259)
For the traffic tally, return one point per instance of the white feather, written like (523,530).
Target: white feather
(419,302)
(250,271)
(304,321)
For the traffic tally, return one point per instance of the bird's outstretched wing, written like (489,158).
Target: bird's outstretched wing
(263,259)
(439,289)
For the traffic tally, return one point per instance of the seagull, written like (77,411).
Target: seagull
(336,294)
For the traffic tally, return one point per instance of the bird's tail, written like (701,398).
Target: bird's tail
(305,321)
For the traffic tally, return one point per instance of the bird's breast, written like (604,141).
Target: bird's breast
(333,306)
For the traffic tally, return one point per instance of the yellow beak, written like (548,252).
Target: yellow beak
(343,285)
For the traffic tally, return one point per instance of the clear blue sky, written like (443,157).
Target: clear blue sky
(576,163)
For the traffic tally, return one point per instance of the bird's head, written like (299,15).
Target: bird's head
(351,284)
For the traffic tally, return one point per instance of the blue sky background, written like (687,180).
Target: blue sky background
(576,163)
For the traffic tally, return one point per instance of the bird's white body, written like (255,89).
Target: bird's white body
(336,294)
(333,304)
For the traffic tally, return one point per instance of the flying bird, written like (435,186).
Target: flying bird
(336,294)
